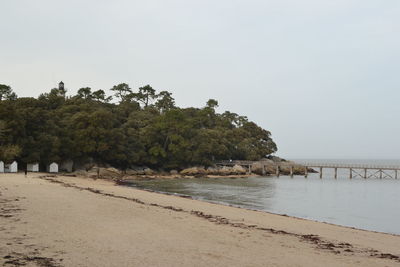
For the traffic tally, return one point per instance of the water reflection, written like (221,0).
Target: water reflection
(370,204)
(240,192)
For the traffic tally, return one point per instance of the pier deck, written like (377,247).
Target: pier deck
(355,170)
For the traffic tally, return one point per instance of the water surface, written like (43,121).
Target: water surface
(370,204)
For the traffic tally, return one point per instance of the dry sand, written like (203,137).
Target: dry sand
(68,221)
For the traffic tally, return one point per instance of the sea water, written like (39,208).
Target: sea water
(370,204)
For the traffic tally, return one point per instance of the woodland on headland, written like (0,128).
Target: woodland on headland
(130,128)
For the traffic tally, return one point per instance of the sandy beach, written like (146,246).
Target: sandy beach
(70,221)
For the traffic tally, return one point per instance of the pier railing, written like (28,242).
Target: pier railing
(355,170)
(347,166)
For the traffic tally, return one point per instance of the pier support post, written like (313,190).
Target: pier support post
(351,173)
(335,173)
(277,171)
(305,172)
(291,171)
(365,173)
(320,172)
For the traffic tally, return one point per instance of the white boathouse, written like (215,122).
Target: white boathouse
(53,168)
(13,167)
(32,167)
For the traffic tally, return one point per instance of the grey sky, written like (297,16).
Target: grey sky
(321,75)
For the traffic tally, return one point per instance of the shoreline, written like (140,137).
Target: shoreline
(80,220)
(127,183)
(249,209)
(257,169)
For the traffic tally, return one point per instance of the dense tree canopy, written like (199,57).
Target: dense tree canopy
(143,128)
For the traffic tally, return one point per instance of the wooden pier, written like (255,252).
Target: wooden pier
(359,170)
(354,170)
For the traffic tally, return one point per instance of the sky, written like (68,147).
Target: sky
(323,76)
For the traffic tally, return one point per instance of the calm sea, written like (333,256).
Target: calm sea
(370,204)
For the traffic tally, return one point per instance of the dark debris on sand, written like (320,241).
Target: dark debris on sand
(317,241)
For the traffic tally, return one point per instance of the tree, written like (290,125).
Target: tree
(232,120)
(165,101)
(88,128)
(145,95)
(100,96)
(85,93)
(8,152)
(7,93)
(122,91)
(212,103)
(54,99)
(3,131)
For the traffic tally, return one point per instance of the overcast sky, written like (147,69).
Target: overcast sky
(322,75)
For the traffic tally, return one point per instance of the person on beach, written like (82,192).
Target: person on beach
(26,172)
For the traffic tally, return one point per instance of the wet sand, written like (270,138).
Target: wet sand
(69,221)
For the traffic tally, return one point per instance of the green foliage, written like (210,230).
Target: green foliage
(87,127)
(165,101)
(212,103)
(100,96)
(145,95)
(7,151)
(85,93)
(122,91)
(6,93)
